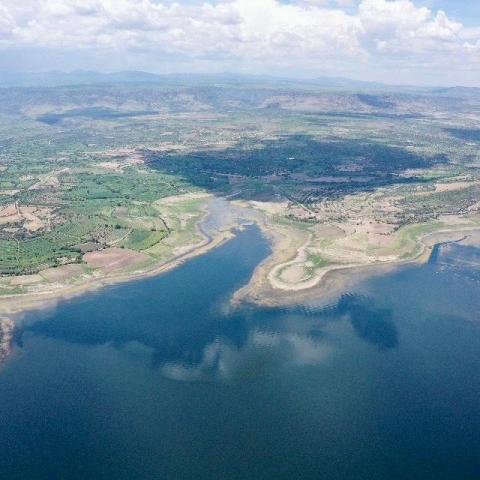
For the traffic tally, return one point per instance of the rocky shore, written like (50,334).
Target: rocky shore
(6,336)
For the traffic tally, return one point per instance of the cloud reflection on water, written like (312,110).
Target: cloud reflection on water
(263,351)
(243,343)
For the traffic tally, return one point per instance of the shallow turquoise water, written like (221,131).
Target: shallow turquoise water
(160,379)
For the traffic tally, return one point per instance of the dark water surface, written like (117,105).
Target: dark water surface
(160,379)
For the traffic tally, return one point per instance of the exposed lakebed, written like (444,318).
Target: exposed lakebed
(162,378)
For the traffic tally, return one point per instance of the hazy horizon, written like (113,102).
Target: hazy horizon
(31,78)
(397,42)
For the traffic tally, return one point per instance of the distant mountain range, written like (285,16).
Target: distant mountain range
(87,77)
(76,77)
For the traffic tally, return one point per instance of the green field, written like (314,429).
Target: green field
(90,164)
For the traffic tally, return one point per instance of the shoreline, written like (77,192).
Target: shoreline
(255,291)
(13,305)
(7,327)
(421,257)
(263,289)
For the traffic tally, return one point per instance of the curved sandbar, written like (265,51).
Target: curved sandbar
(290,249)
(281,279)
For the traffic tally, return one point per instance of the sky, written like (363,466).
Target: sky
(421,42)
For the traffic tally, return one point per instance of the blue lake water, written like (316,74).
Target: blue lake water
(161,379)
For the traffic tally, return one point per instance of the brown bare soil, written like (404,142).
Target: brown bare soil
(63,273)
(113,258)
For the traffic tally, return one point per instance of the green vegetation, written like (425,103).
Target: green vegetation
(84,168)
(318,261)
(143,239)
(81,205)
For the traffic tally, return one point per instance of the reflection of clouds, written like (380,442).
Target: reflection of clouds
(263,351)
(372,324)
(300,349)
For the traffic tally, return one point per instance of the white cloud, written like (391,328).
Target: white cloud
(307,34)
(7,24)
(262,351)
